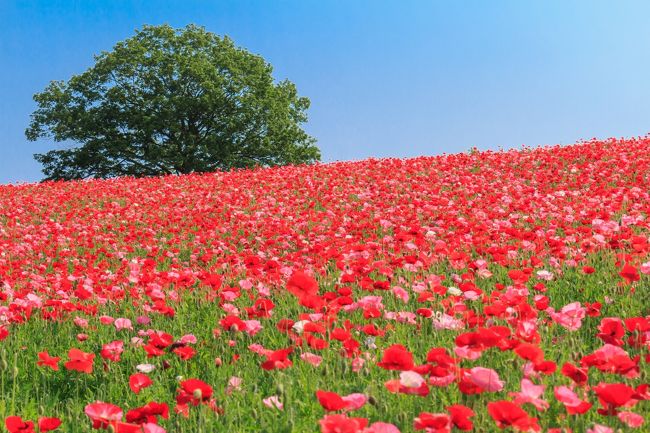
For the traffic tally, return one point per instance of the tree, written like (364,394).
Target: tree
(170,101)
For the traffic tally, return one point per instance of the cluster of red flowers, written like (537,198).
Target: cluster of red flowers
(338,240)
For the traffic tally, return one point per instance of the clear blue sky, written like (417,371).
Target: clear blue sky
(386,78)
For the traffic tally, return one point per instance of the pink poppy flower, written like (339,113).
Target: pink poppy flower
(486,379)
(273,402)
(123,323)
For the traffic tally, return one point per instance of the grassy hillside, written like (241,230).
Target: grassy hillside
(467,292)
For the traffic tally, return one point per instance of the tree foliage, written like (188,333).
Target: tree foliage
(169,101)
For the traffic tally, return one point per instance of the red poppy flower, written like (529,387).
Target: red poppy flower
(102,413)
(330,401)
(193,391)
(396,357)
(232,323)
(302,285)
(588,269)
(80,361)
(16,424)
(342,424)
(530,352)
(507,414)
(593,309)
(545,367)
(185,352)
(124,427)
(278,359)
(630,274)
(48,424)
(433,422)
(460,417)
(578,375)
(148,413)
(45,360)
(138,382)
(611,331)
(113,350)
(613,395)
(161,340)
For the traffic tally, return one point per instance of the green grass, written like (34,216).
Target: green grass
(31,391)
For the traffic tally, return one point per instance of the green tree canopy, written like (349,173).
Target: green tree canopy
(169,101)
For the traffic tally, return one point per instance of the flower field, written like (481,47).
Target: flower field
(485,291)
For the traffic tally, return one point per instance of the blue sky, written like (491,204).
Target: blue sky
(386,78)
